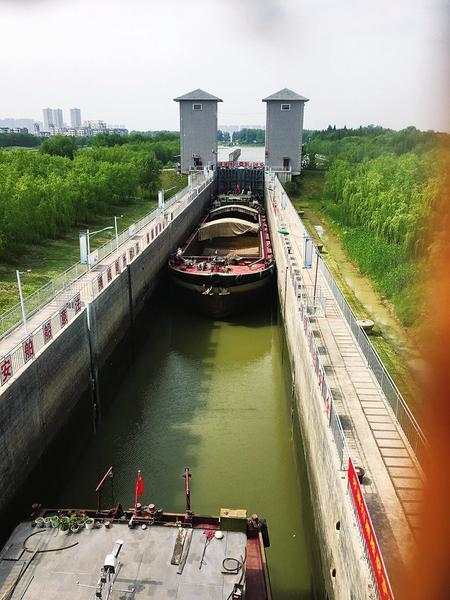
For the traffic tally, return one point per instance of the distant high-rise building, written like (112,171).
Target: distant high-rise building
(75,117)
(48,119)
(58,118)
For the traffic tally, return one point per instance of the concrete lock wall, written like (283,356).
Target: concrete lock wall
(345,572)
(35,405)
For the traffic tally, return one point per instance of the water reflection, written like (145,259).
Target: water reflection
(248,153)
(211,395)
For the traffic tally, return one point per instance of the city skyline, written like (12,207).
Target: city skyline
(54,117)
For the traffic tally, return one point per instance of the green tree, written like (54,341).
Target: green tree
(43,194)
(109,139)
(25,140)
(60,145)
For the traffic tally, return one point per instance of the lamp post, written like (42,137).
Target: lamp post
(117,233)
(284,231)
(22,301)
(88,243)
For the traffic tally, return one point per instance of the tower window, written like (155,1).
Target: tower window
(285,107)
(197,107)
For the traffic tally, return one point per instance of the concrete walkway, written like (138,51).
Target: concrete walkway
(375,440)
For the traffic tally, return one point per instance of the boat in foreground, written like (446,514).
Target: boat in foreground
(142,552)
(226,265)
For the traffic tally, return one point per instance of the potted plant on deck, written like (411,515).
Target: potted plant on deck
(64,524)
(55,521)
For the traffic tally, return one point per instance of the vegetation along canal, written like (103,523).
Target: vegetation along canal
(212,395)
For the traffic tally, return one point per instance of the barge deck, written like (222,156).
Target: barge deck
(144,569)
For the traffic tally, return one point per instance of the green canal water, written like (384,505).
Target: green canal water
(213,396)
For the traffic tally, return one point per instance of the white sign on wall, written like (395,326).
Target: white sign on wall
(83,248)
(308,253)
(93,258)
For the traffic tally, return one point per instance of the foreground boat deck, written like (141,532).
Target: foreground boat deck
(144,564)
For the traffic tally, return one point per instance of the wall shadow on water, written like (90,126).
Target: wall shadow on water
(183,389)
(163,384)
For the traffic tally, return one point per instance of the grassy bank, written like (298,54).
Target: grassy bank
(365,296)
(51,257)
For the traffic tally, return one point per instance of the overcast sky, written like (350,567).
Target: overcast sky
(358,61)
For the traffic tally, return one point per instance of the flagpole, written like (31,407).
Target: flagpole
(136,490)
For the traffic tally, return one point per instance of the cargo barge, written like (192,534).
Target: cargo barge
(227,264)
(142,552)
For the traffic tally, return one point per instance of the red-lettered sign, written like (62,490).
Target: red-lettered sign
(63,316)
(6,370)
(47,331)
(368,533)
(28,349)
(77,303)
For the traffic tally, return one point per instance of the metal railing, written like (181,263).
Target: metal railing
(10,319)
(309,307)
(27,349)
(403,414)
(76,287)
(306,312)
(278,169)
(240,164)
(45,294)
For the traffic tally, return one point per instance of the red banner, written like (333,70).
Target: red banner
(47,331)
(77,303)
(6,370)
(138,488)
(28,349)
(63,316)
(368,533)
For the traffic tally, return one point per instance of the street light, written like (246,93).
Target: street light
(117,233)
(22,302)
(282,229)
(88,244)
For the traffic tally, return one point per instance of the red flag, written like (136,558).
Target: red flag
(139,488)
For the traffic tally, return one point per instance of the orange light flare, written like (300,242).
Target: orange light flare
(430,563)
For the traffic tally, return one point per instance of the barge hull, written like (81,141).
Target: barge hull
(221,302)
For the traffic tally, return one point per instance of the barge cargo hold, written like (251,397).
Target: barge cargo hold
(227,265)
(139,553)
